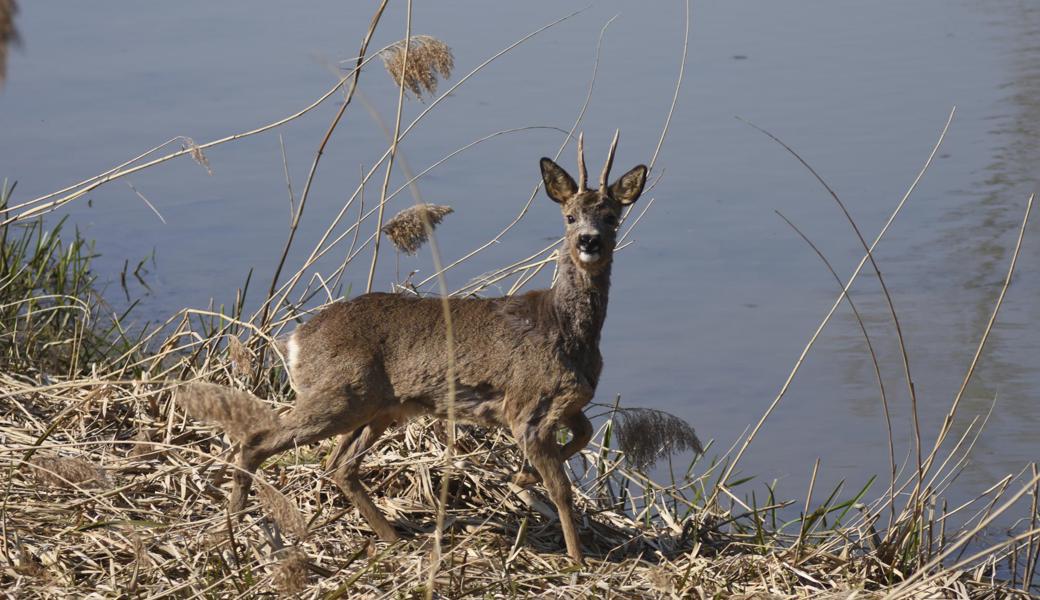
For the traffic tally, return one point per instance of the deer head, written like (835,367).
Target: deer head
(592,216)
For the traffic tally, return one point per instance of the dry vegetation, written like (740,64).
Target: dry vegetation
(110,490)
(409,229)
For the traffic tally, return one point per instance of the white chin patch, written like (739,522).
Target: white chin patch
(587,257)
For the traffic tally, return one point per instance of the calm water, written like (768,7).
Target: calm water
(714,301)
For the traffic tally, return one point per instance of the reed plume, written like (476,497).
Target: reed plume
(290,574)
(241,358)
(28,564)
(407,230)
(194,151)
(238,413)
(645,435)
(428,57)
(68,472)
(282,511)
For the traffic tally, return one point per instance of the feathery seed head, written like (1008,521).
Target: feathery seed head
(241,357)
(144,449)
(428,58)
(407,230)
(646,434)
(238,412)
(282,511)
(290,574)
(195,152)
(62,472)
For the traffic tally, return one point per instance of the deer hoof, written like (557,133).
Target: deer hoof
(388,535)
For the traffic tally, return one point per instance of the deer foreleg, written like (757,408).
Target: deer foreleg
(546,458)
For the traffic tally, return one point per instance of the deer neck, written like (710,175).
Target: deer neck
(580,303)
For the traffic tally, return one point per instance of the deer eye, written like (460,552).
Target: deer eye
(610,220)
(570,219)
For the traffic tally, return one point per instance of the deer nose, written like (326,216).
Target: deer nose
(588,242)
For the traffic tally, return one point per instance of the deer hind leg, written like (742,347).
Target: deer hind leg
(581,434)
(317,416)
(346,461)
(545,455)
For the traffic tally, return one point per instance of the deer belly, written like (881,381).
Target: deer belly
(478,404)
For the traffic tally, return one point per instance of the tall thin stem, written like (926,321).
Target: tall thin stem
(393,148)
(721,486)
(317,158)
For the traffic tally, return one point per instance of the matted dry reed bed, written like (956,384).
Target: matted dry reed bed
(110,491)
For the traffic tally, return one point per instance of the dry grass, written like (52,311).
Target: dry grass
(159,523)
(111,489)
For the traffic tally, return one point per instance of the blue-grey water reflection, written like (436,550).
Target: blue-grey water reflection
(716,298)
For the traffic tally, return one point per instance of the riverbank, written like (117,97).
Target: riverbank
(110,489)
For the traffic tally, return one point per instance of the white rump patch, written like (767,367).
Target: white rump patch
(294,353)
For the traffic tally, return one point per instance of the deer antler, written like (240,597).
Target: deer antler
(610,161)
(582,174)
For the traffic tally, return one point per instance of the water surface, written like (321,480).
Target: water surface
(713,302)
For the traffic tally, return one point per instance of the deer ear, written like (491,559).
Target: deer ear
(627,189)
(558,184)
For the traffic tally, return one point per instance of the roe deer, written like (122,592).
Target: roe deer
(529,362)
